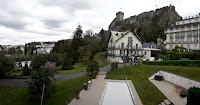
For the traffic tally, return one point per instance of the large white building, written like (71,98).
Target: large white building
(123,46)
(44,48)
(184,33)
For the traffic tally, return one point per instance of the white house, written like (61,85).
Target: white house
(123,46)
(45,48)
(184,33)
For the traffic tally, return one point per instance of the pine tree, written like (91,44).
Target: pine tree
(76,43)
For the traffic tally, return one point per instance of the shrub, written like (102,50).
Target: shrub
(189,55)
(50,65)
(6,65)
(35,86)
(68,68)
(40,60)
(26,70)
(174,63)
(114,65)
(93,68)
(193,97)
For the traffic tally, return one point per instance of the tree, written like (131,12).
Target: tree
(35,86)
(76,43)
(93,68)
(26,70)
(40,60)
(6,65)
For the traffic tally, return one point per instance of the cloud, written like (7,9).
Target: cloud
(23,21)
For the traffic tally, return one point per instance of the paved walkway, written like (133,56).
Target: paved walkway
(171,91)
(93,95)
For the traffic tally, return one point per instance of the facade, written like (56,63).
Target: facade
(45,48)
(123,46)
(184,33)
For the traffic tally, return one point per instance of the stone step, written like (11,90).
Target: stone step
(167,102)
(162,103)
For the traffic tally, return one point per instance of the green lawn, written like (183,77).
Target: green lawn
(139,75)
(81,64)
(102,60)
(64,91)
(76,70)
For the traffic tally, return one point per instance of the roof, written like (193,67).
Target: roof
(118,35)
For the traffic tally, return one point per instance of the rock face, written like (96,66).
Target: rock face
(161,17)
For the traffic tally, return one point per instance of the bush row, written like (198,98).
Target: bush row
(189,55)
(174,63)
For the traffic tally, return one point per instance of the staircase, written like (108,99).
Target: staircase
(166,102)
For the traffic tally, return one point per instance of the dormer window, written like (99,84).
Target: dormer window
(116,34)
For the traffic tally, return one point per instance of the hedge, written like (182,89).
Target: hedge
(193,97)
(189,55)
(174,63)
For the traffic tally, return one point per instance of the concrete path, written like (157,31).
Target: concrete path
(69,76)
(92,96)
(171,91)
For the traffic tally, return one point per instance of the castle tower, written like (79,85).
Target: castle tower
(119,16)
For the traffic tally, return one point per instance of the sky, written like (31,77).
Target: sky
(24,21)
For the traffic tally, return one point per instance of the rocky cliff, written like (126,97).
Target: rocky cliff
(147,23)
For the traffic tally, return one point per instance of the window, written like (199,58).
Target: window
(122,45)
(136,46)
(188,46)
(171,47)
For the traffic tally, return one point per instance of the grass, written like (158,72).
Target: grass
(64,91)
(139,75)
(81,64)
(102,60)
(76,70)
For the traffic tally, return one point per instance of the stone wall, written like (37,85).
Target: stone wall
(178,80)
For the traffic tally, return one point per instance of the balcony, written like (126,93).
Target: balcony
(123,55)
(124,48)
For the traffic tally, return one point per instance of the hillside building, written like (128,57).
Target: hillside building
(184,33)
(127,46)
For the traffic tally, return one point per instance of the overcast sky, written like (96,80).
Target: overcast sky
(23,21)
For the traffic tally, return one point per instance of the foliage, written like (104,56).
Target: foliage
(85,54)
(67,67)
(59,67)
(93,68)
(40,60)
(179,49)
(67,64)
(50,65)
(174,63)
(189,55)
(193,96)
(149,32)
(6,65)
(76,43)
(101,58)
(114,66)
(35,86)
(26,70)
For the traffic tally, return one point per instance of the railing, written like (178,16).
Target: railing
(182,42)
(125,48)
(122,55)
